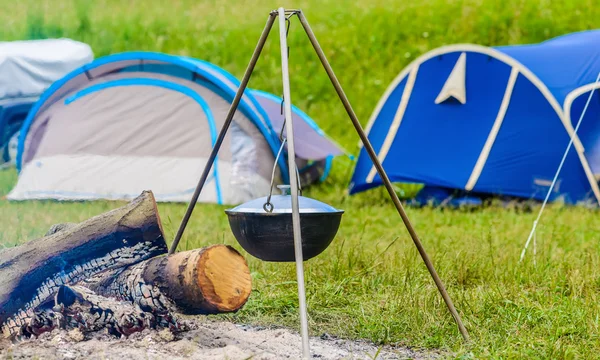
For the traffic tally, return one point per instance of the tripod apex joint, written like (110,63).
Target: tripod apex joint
(286,11)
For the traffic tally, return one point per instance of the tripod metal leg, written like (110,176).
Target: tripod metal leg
(228,119)
(382,173)
(293,185)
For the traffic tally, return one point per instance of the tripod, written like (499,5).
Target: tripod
(285,15)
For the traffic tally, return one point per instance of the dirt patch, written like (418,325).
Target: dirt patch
(206,340)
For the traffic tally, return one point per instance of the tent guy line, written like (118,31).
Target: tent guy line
(535,223)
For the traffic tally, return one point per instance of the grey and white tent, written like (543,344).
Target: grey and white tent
(139,120)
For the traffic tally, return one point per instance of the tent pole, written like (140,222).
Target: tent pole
(388,185)
(228,119)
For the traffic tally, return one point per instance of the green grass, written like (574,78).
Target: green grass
(371,282)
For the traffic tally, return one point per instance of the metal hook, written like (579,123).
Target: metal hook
(268,207)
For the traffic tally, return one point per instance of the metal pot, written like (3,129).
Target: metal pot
(268,235)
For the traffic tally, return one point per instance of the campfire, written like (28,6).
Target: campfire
(112,273)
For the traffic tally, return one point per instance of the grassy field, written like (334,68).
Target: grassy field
(371,282)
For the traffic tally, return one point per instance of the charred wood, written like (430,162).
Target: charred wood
(32,273)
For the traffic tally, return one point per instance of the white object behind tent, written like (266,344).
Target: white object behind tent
(29,67)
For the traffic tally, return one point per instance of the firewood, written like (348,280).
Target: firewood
(215,279)
(32,273)
(112,272)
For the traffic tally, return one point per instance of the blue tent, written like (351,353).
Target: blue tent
(492,121)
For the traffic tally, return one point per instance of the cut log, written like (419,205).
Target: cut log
(32,273)
(212,280)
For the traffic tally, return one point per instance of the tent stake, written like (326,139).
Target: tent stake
(217,146)
(388,185)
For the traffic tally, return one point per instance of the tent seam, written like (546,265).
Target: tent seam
(393,130)
(491,139)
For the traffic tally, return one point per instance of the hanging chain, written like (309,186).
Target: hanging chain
(287,31)
(268,206)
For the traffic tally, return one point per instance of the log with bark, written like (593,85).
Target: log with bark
(112,272)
